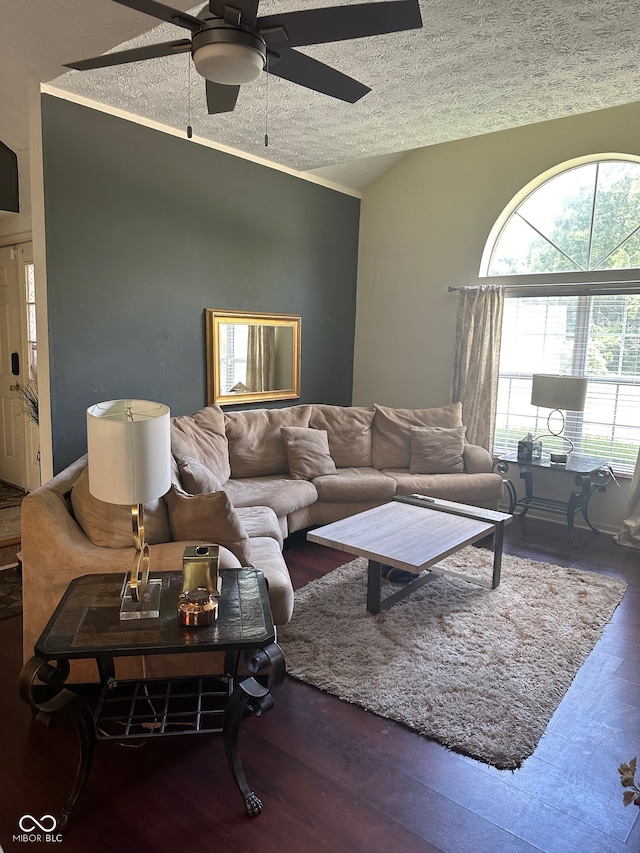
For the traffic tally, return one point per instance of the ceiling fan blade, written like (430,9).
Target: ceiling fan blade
(229,9)
(163,13)
(302,69)
(221,99)
(136,54)
(337,23)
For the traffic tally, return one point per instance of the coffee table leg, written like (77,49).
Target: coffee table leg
(498,542)
(374,586)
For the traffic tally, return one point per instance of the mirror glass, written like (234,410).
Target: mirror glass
(252,357)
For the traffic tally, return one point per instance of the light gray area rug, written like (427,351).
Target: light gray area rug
(478,670)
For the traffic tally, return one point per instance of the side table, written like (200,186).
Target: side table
(86,624)
(591,475)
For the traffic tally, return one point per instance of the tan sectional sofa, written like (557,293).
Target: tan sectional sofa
(282,470)
(313,464)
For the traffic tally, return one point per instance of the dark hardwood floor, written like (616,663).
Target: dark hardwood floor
(335,778)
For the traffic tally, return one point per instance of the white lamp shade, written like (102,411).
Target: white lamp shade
(229,64)
(129,443)
(552,391)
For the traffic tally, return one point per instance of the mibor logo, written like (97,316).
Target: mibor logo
(34,829)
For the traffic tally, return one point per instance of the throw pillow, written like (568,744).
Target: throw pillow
(391,438)
(256,448)
(209,518)
(109,525)
(201,436)
(196,479)
(349,432)
(307,452)
(437,450)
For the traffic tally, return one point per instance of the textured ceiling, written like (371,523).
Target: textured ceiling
(476,66)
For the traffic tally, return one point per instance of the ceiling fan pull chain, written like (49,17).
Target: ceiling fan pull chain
(229,45)
(189,128)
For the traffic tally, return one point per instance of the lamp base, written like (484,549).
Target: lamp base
(560,458)
(148,608)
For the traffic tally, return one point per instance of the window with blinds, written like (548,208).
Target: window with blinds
(583,220)
(596,336)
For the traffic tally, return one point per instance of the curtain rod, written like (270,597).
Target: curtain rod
(478,287)
(609,288)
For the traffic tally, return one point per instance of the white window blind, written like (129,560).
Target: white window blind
(597,336)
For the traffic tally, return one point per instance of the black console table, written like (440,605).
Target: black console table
(86,624)
(590,475)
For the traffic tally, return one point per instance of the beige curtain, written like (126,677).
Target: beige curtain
(630,533)
(260,358)
(477,360)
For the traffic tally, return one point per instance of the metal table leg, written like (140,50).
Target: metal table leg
(251,695)
(579,501)
(54,678)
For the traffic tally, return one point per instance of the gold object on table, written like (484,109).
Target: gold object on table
(201,586)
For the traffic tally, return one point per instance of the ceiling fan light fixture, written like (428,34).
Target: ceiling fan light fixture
(229,64)
(228,43)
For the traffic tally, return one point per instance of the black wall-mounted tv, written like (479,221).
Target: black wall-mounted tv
(9,199)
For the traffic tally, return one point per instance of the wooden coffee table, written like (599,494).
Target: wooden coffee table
(413,533)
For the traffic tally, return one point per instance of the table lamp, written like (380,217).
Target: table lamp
(559,392)
(129,444)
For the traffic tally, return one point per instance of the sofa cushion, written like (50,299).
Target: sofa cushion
(391,436)
(260,521)
(197,478)
(307,452)
(480,489)
(208,517)
(477,460)
(349,432)
(355,485)
(281,494)
(109,525)
(201,436)
(437,450)
(268,558)
(256,447)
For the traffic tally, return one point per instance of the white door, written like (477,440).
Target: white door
(29,363)
(14,427)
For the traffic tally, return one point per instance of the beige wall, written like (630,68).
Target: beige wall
(424,225)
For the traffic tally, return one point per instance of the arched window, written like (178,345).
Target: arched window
(576,231)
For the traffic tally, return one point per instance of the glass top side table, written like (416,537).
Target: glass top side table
(591,475)
(86,624)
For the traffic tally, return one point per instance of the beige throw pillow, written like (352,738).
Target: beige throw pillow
(349,433)
(256,448)
(201,436)
(391,438)
(196,479)
(437,450)
(308,452)
(208,518)
(109,525)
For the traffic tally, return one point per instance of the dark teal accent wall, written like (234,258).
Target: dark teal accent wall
(145,230)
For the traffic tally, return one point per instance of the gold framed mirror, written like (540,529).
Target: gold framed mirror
(252,357)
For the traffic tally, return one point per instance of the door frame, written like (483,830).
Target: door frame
(17,242)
